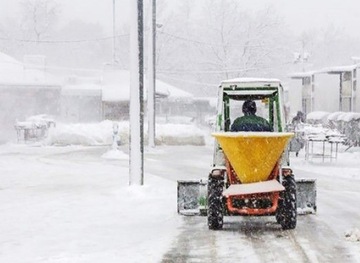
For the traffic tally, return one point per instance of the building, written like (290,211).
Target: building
(329,89)
(115,86)
(348,93)
(25,90)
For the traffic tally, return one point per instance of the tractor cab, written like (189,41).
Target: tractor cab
(266,93)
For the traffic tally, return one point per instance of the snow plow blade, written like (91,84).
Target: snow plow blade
(306,196)
(192,197)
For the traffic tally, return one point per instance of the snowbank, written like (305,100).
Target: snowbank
(115,154)
(92,134)
(334,116)
(349,116)
(317,116)
(81,134)
(179,134)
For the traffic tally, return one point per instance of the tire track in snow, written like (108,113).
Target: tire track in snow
(246,239)
(197,244)
(311,241)
(186,243)
(270,242)
(320,242)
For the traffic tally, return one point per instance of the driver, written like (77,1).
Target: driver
(250,121)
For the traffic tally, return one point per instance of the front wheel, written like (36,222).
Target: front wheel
(287,214)
(215,204)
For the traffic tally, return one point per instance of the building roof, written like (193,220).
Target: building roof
(329,70)
(85,89)
(13,71)
(305,74)
(116,87)
(340,69)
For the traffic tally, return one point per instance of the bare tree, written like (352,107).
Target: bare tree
(241,42)
(220,41)
(80,44)
(39,18)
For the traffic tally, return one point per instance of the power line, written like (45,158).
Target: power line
(192,82)
(217,44)
(220,71)
(206,71)
(209,43)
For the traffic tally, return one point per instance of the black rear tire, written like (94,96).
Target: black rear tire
(215,204)
(287,214)
(279,212)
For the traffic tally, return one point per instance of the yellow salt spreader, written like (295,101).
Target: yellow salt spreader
(250,173)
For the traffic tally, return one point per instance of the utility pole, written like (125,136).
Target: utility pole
(114,34)
(151,75)
(136,94)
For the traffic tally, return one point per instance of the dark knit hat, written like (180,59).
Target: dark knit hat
(249,106)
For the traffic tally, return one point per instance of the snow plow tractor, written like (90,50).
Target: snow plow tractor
(250,173)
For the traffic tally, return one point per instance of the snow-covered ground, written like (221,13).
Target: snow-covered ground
(68,204)
(68,199)
(73,203)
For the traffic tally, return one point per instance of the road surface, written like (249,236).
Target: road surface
(317,238)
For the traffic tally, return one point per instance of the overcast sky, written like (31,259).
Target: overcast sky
(298,15)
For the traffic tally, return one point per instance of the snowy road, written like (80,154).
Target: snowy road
(61,205)
(317,238)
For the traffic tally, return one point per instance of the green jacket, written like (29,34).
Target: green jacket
(251,123)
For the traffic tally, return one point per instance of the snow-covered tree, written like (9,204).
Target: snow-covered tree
(39,18)
(220,41)
(80,44)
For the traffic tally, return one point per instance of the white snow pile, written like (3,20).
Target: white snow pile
(324,116)
(183,134)
(334,115)
(353,235)
(317,116)
(349,116)
(344,116)
(318,131)
(92,134)
(81,134)
(115,154)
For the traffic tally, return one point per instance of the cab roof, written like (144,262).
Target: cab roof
(250,82)
(254,88)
